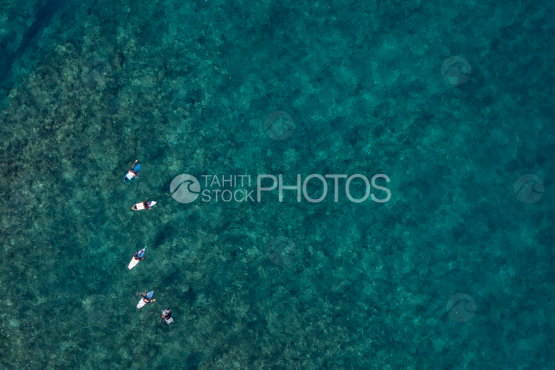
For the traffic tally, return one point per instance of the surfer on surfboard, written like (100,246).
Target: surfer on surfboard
(147,298)
(133,172)
(144,205)
(139,255)
(136,258)
(167,315)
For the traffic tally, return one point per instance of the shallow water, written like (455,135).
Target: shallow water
(451,102)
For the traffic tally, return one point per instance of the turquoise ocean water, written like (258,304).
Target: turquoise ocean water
(451,101)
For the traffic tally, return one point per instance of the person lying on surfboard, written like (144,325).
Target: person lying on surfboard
(145,298)
(139,255)
(133,172)
(144,205)
(149,295)
(167,314)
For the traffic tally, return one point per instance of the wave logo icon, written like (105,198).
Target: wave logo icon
(185,188)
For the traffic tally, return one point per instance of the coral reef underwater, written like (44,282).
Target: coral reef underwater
(186,88)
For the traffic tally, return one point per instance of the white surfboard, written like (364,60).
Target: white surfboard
(138,207)
(141,303)
(169,321)
(133,263)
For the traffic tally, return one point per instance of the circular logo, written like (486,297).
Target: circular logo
(461,307)
(185,188)
(455,70)
(528,188)
(279,125)
(98,308)
(281,251)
